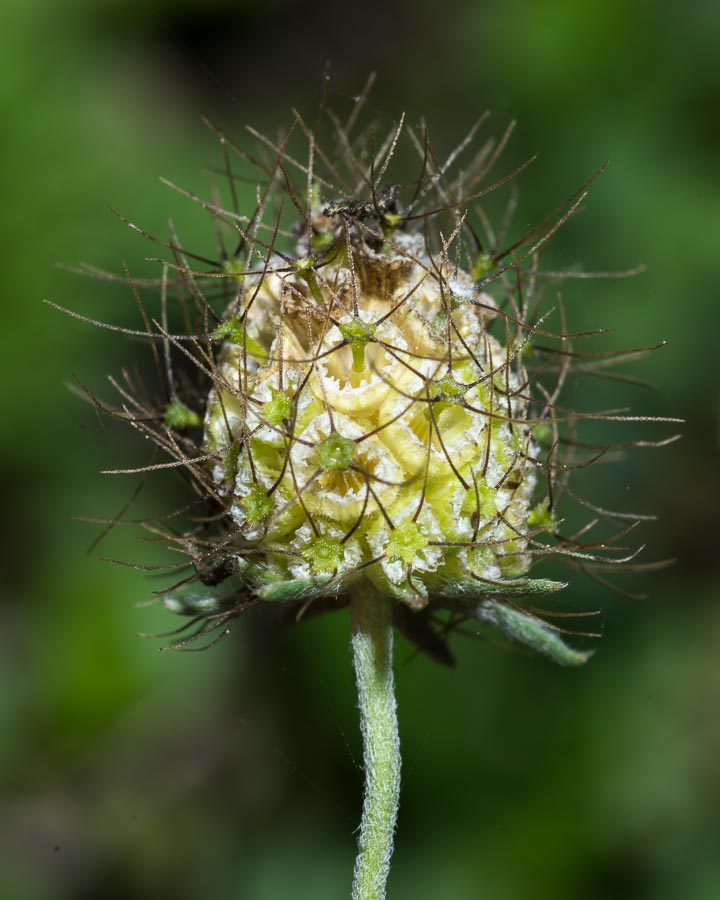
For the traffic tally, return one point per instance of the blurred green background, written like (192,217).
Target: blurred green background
(129,773)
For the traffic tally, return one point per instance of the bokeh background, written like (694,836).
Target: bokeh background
(136,774)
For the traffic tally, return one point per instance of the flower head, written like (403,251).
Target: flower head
(371,404)
(382,430)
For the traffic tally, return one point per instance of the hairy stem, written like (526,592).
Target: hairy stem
(372,643)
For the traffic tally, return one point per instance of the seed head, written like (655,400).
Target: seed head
(370,401)
(376,413)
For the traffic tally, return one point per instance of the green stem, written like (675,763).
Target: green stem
(372,642)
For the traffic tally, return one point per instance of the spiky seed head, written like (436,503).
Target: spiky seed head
(367,405)
(375,414)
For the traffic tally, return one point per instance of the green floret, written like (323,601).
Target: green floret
(406,542)
(279,409)
(336,452)
(324,555)
(257,503)
(540,516)
(358,335)
(233,330)
(179,416)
